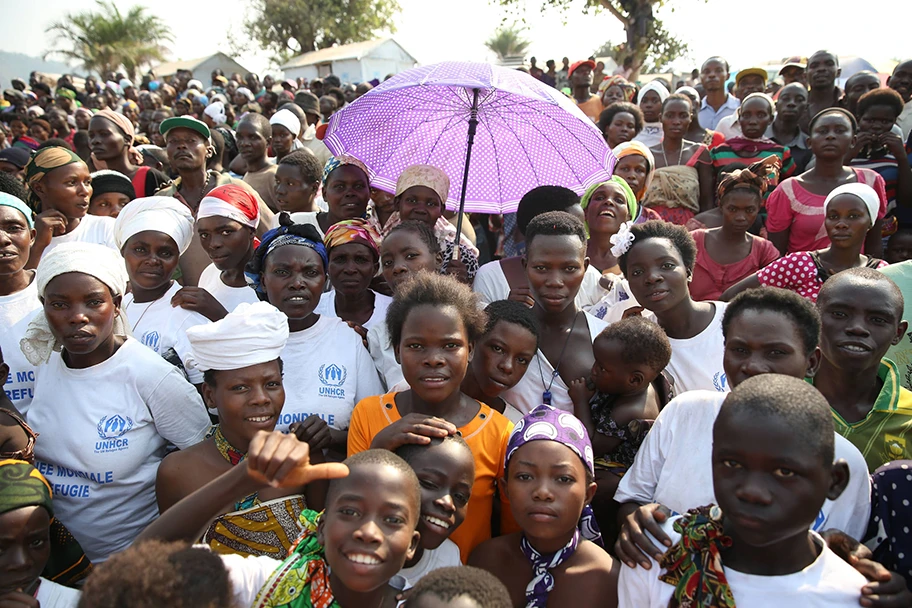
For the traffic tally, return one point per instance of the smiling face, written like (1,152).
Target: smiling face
(755,116)
(607,209)
(368,527)
(847,221)
(651,105)
(657,274)
(446,472)
(502,357)
(765,342)
(622,128)
(228,243)
(294,277)
(293,194)
(248,400)
(420,203)
(547,488)
(402,254)
(80,310)
(25,547)
(434,352)
(676,117)
(347,192)
(633,168)
(16,241)
(151,258)
(109,204)
(351,268)
(739,209)
(555,267)
(66,189)
(901,80)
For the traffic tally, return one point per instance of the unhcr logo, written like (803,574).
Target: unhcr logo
(332,374)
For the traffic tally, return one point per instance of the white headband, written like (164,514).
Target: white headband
(159,213)
(865,192)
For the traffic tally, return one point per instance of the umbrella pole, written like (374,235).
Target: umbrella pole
(473,126)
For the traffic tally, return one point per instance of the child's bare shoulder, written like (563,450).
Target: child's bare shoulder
(592,573)
(495,552)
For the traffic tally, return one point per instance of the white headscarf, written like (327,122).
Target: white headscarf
(866,193)
(159,213)
(654,85)
(97,261)
(250,335)
(287,119)
(216,111)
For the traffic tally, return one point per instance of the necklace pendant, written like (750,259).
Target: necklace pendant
(546,397)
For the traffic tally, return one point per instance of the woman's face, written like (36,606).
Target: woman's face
(67,189)
(740,209)
(756,116)
(555,267)
(832,136)
(347,192)
(607,210)
(420,203)
(248,400)
(657,275)
(622,128)
(16,241)
(847,221)
(351,268)
(227,243)
(38,131)
(25,549)
(282,140)
(676,118)
(634,169)
(613,94)
(80,310)
(294,277)
(651,105)
(151,258)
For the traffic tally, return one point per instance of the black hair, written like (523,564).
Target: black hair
(802,408)
(54,142)
(657,229)
(424,232)
(555,223)
(435,290)
(448,584)
(12,185)
(409,451)
(332,81)
(825,52)
(218,144)
(337,93)
(378,457)
(644,341)
(209,374)
(678,97)
(859,275)
(616,108)
(720,60)
(307,164)
(800,311)
(833,110)
(541,200)
(260,122)
(510,311)
(880,97)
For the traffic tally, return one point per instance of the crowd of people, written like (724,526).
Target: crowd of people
(238,374)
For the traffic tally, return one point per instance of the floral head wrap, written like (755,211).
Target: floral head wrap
(757,177)
(627,87)
(632,148)
(288,233)
(353,231)
(337,161)
(43,162)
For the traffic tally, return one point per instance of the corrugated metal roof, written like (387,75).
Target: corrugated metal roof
(356,50)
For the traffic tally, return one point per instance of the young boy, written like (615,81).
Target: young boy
(861,310)
(111,191)
(297,181)
(772,463)
(253,135)
(347,555)
(459,587)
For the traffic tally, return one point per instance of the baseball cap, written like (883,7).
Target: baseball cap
(751,72)
(185,122)
(794,62)
(15,156)
(578,64)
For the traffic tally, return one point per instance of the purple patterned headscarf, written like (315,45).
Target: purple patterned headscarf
(546,423)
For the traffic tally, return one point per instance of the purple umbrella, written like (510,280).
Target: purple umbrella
(496,132)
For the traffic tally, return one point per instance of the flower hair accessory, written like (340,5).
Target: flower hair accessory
(622,241)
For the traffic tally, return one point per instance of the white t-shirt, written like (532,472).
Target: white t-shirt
(527,394)
(491,285)
(828,582)
(327,372)
(306,217)
(16,310)
(161,326)
(674,466)
(327,306)
(696,363)
(104,430)
(229,297)
(383,355)
(55,595)
(444,556)
(91,229)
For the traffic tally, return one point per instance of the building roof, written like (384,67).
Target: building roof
(172,67)
(356,50)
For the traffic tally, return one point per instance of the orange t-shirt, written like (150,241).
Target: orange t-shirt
(487,435)
(592,107)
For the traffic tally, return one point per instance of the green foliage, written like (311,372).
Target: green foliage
(508,42)
(292,27)
(105,40)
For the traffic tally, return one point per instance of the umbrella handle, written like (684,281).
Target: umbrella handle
(473,127)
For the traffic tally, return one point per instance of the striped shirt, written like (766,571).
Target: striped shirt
(723,156)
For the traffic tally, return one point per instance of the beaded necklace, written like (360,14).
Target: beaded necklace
(234,456)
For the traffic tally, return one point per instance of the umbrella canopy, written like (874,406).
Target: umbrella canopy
(528,134)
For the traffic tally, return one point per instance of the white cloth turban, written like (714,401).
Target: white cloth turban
(97,261)
(287,119)
(216,111)
(866,193)
(250,335)
(159,213)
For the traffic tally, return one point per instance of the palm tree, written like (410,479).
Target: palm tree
(508,43)
(104,41)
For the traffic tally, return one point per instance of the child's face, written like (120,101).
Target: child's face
(447,473)
(292,193)
(368,527)
(657,275)
(547,489)
(429,600)
(402,254)
(151,258)
(768,480)
(248,400)
(420,203)
(555,266)
(502,357)
(609,372)
(26,547)
(108,204)
(434,352)
(899,248)
(765,342)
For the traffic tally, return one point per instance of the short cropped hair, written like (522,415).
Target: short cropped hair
(447,584)
(541,200)
(645,342)
(678,97)
(510,311)
(377,457)
(616,108)
(439,291)
(800,311)
(409,451)
(797,403)
(260,122)
(555,223)
(424,232)
(657,229)
(310,168)
(860,275)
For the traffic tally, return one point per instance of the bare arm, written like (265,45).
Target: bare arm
(780,240)
(873,245)
(707,181)
(742,285)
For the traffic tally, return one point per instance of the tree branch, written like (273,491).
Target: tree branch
(609,5)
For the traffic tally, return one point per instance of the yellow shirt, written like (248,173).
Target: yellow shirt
(592,108)
(487,435)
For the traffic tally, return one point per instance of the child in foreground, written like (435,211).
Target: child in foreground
(772,459)
(459,587)
(548,480)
